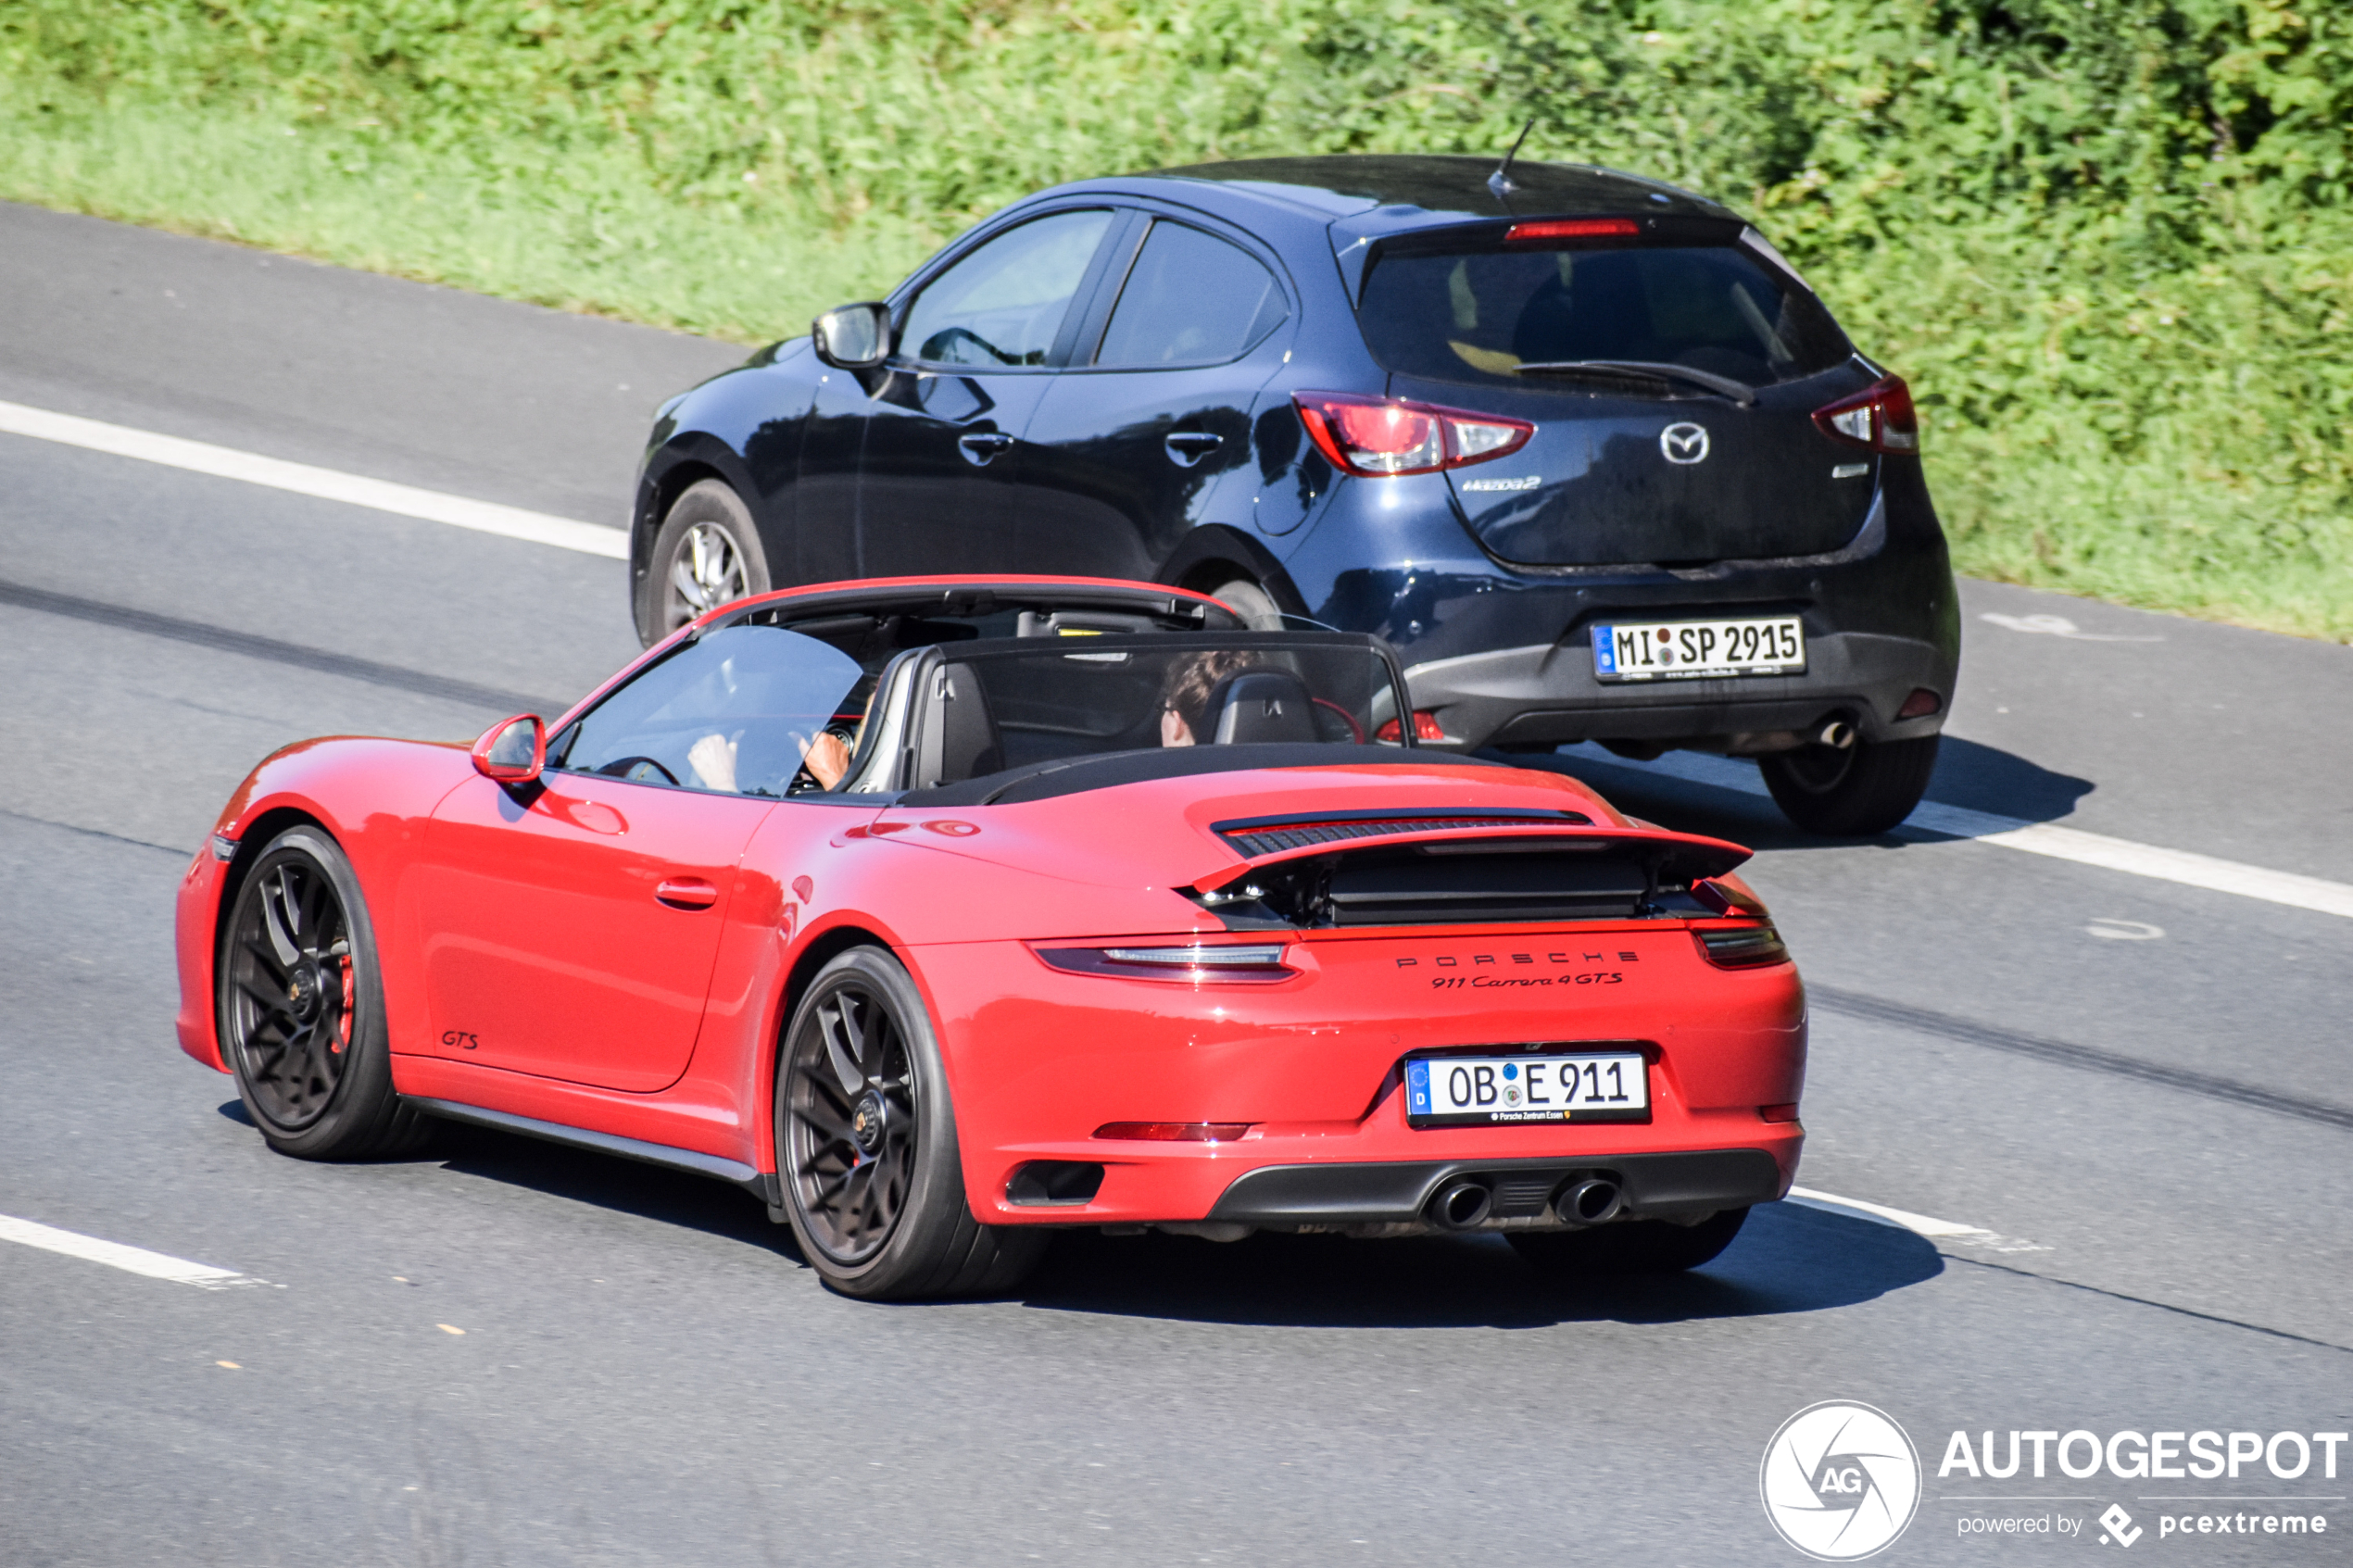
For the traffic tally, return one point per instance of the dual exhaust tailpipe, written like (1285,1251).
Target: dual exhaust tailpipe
(1464,1203)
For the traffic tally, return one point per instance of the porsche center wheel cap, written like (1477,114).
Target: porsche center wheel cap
(866,1122)
(302,990)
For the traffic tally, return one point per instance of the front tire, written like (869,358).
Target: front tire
(866,1146)
(705,554)
(299,999)
(1862,791)
(1628,1247)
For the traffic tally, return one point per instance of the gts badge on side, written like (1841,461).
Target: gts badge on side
(461,1040)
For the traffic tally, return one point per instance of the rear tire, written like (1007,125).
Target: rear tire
(873,1185)
(1857,792)
(1629,1247)
(298,1000)
(705,554)
(1253,603)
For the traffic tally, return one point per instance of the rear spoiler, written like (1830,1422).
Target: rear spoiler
(1393,868)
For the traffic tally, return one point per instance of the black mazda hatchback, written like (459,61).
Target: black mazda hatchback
(1583,446)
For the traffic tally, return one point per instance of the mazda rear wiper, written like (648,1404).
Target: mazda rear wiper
(1643,370)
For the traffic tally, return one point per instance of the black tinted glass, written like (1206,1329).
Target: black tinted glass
(735,711)
(1002,303)
(1190,299)
(1480,316)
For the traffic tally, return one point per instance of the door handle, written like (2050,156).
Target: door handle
(978,448)
(687,893)
(1187,448)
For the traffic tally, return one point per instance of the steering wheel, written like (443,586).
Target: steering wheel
(620,768)
(1355,730)
(936,347)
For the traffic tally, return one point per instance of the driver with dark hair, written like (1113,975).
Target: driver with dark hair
(1184,698)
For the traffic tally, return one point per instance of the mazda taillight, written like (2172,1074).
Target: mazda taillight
(1426,727)
(1377,437)
(1878,417)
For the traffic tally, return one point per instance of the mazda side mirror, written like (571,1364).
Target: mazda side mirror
(853,337)
(513,750)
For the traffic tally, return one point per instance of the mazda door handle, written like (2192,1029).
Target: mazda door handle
(1187,448)
(978,448)
(687,893)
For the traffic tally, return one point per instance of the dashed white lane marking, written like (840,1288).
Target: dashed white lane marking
(1931,819)
(403,500)
(130,1260)
(1918,1224)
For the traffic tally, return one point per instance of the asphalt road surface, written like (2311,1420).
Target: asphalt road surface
(2126,1096)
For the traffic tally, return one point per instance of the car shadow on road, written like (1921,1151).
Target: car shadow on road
(625,1186)
(1787,1260)
(1981,778)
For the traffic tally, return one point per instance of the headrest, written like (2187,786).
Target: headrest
(1259,706)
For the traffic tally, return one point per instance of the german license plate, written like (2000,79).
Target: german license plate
(1692,650)
(1486,1091)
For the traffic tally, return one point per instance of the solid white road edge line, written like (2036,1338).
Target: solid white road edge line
(130,1260)
(1918,1224)
(1932,819)
(403,500)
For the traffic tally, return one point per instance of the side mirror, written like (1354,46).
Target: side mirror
(852,337)
(513,750)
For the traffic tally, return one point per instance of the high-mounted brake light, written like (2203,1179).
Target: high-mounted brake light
(1572,229)
(1879,417)
(1192,963)
(1381,437)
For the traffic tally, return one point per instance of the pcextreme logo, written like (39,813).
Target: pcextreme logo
(1841,1481)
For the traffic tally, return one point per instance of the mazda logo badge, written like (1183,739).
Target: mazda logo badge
(1683,444)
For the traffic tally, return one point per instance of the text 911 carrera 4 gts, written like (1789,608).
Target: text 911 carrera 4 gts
(941,913)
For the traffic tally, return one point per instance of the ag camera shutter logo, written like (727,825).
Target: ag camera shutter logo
(1841,1481)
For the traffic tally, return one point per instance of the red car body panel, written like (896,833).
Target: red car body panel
(659,931)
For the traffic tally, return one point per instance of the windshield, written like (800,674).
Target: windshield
(1013,704)
(1486,315)
(739,711)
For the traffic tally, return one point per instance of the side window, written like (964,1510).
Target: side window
(1003,303)
(738,710)
(1190,299)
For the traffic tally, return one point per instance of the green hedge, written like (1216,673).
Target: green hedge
(2108,241)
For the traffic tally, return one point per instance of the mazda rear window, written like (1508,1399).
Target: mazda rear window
(1529,314)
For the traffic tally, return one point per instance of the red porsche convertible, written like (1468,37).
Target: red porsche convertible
(940,913)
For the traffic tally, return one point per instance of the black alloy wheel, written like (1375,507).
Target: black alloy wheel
(1851,791)
(299,1005)
(866,1145)
(1626,1246)
(705,554)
